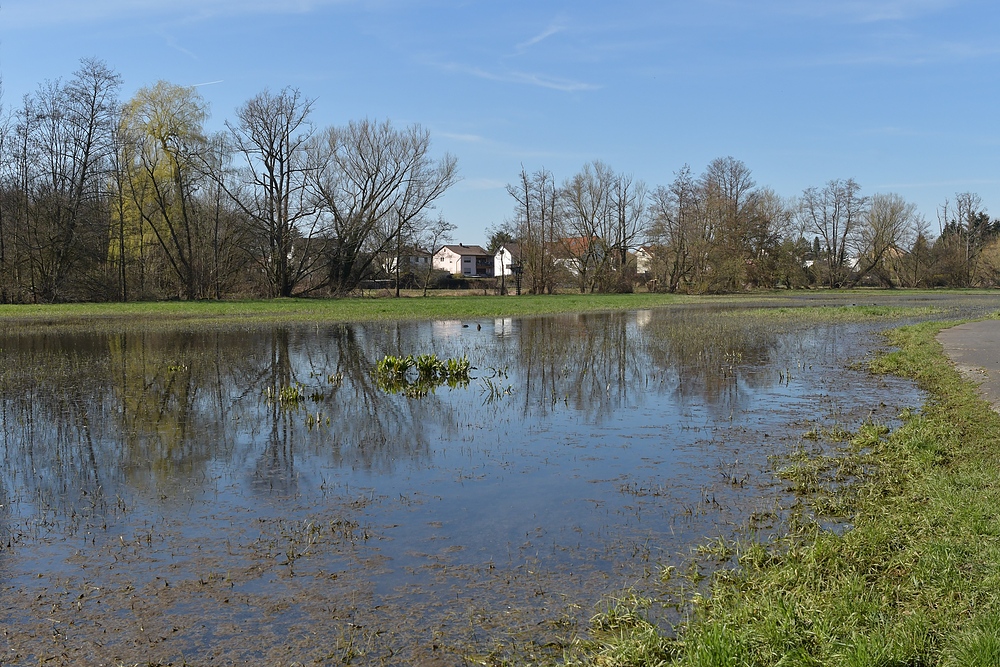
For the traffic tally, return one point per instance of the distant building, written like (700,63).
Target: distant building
(576,253)
(506,256)
(471,261)
(643,259)
(411,260)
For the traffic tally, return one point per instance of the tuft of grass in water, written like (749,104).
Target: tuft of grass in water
(624,636)
(288,396)
(914,581)
(391,374)
(393,367)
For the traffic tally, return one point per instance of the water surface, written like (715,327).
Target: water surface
(157,503)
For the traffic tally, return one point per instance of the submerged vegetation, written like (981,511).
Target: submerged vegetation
(914,579)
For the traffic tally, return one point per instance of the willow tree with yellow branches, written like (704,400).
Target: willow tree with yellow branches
(164,149)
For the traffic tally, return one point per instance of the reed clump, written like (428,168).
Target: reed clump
(393,374)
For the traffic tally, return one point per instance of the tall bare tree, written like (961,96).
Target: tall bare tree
(271,135)
(373,181)
(6,277)
(678,231)
(629,224)
(587,213)
(834,214)
(889,224)
(537,217)
(62,148)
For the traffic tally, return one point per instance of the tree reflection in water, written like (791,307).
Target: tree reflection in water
(152,454)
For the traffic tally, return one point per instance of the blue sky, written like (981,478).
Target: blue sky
(901,95)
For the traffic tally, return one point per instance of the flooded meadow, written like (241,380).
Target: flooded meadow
(260,495)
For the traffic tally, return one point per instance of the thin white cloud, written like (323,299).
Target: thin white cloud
(554,83)
(526,78)
(171,41)
(907,52)
(542,36)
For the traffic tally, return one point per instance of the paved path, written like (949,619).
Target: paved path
(975,349)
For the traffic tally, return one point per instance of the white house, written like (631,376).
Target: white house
(643,259)
(506,256)
(466,260)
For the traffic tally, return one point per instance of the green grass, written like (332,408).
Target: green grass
(915,581)
(328,310)
(469,306)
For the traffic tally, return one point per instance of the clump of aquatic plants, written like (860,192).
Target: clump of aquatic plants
(393,374)
(392,366)
(287,395)
(294,396)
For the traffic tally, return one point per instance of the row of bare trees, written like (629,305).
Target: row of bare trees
(588,225)
(721,232)
(102,199)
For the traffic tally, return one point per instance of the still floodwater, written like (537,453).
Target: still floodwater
(158,504)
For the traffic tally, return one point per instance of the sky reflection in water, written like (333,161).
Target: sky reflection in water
(154,467)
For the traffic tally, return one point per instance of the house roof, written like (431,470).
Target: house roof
(467,250)
(412,251)
(513,248)
(571,247)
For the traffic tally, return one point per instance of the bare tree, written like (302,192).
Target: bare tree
(537,216)
(64,135)
(887,225)
(271,135)
(372,182)
(834,214)
(6,277)
(226,222)
(628,224)
(678,231)
(586,209)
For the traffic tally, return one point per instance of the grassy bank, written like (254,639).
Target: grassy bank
(915,581)
(329,310)
(411,306)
